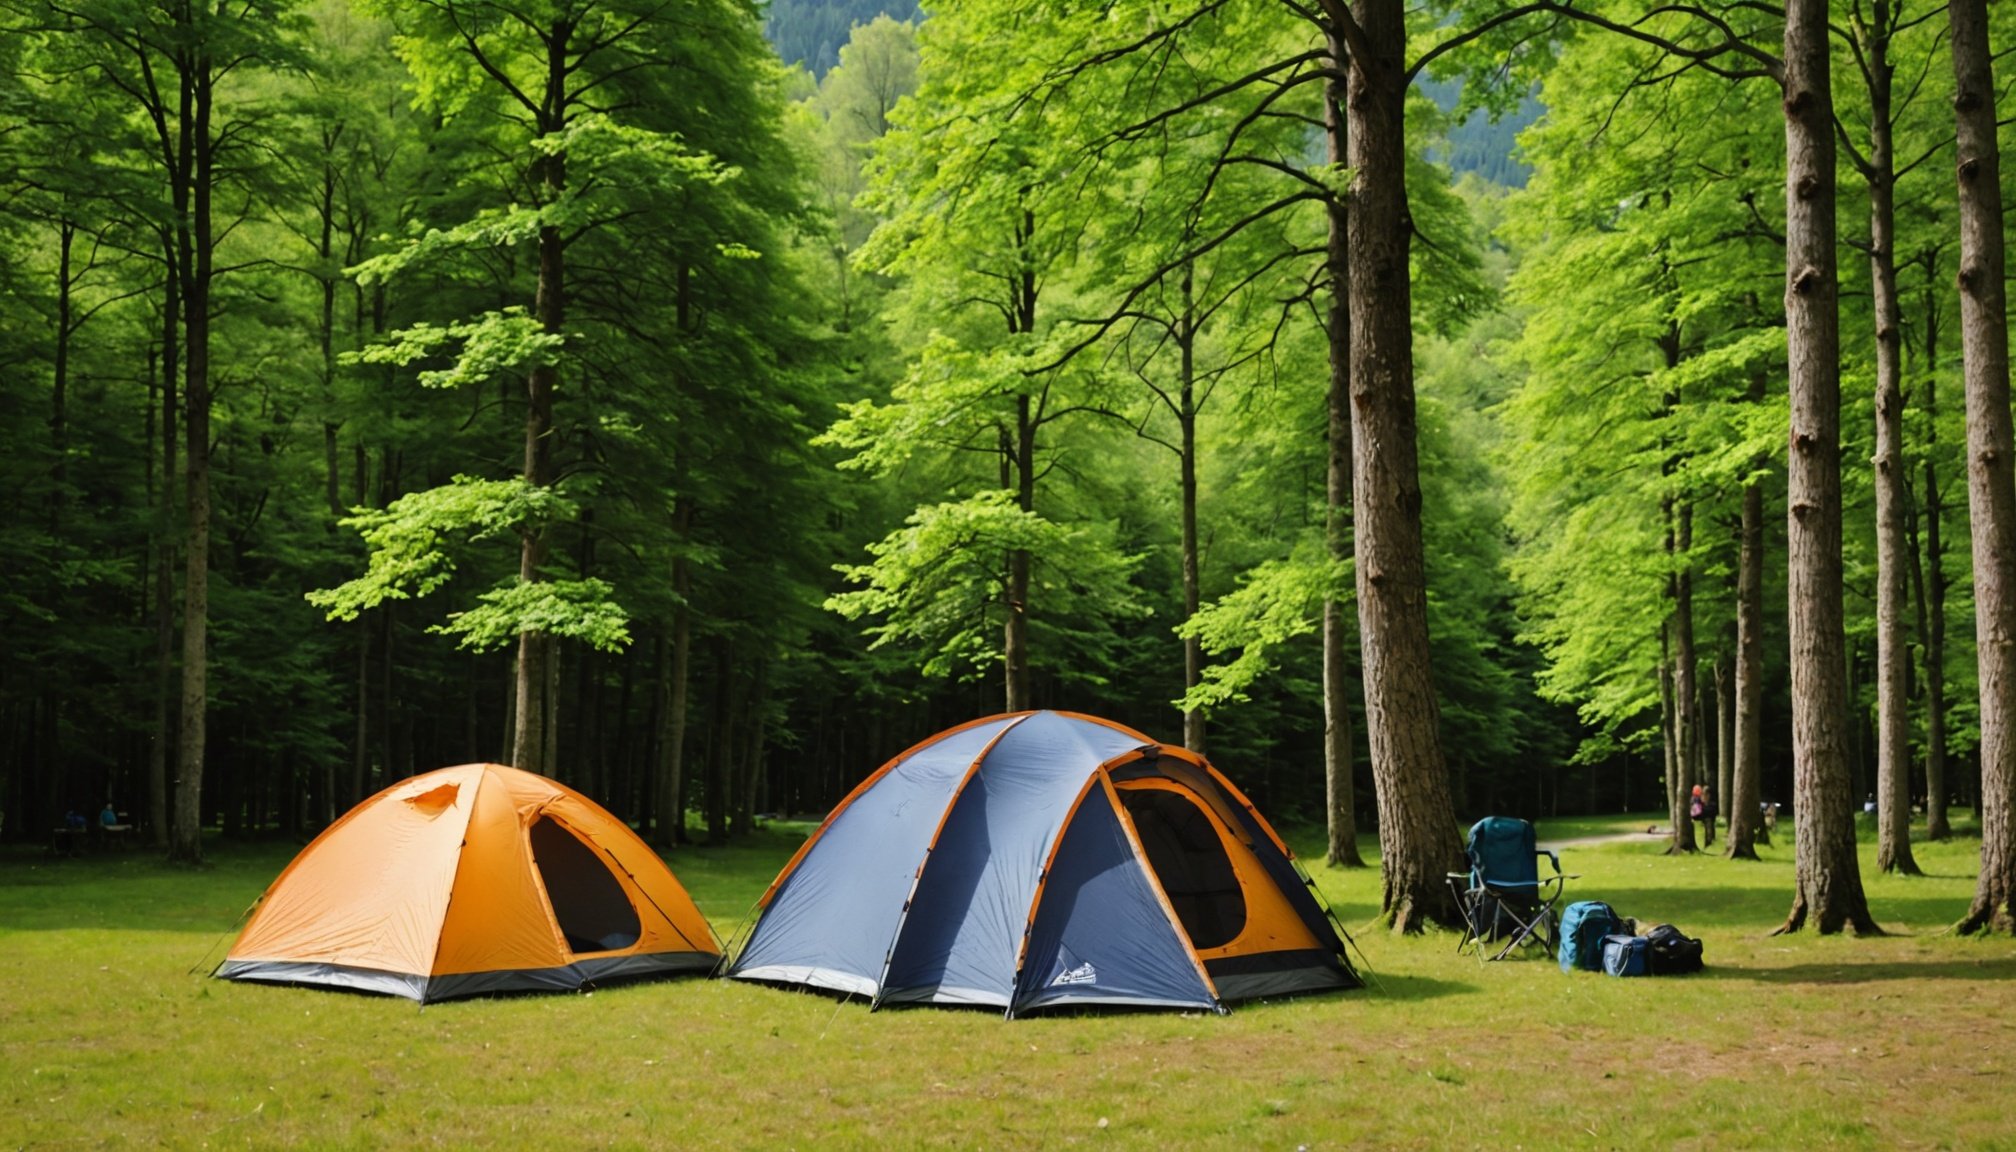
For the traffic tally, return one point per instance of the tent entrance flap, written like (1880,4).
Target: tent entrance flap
(1189,858)
(588,901)
(1222,892)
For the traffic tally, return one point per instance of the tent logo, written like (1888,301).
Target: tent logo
(1082,974)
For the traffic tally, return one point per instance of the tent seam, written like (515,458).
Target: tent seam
(917,877)
(1155,884)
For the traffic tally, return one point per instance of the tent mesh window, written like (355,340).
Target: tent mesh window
(1190,861)
(589,903)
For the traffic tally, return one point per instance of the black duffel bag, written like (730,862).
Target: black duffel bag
(1670,952)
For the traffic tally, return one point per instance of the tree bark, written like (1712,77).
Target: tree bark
(1725,719)
(749,773)
(536,709)
(360,752)
(1893,654)
(721,740)
(1015,627)
(1186,419)
(325,276)
(1019,449)
(1828,876)
(1932,586)
(1991,483)
(1339,788)
(196,245)
(672,755)
(164,555)
(59,392)
(1686,711)
(1417,821)
(1746,773)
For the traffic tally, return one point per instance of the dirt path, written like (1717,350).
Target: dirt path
(1609,838)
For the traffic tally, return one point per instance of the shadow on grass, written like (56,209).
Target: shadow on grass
(1760,909)
(1867,973)
(1413,989)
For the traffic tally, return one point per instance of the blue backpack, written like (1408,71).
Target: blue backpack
(1583,927)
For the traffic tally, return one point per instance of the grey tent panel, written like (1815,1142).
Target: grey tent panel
(964,929)
(831,922)
(1102,935)
(429,989)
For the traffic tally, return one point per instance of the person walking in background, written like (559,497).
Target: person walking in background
(1706,796)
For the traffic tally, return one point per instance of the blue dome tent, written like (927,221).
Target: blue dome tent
(1039,860)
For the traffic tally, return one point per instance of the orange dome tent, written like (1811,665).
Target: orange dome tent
(471,880)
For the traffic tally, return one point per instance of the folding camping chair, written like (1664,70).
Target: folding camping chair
(1503,896)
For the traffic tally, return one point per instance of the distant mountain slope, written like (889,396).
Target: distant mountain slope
(1479,145)
(812,31)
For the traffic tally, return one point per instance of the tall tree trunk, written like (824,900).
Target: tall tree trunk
(1015,627)
(672,756)
(536,710)
(549,756)
(721,740)
(326,277)
(1745,785)
(1669,741)
(1893,651)
(59,392)
(655,823)
(1686,711)
(332,470)
(1828,876)
(749,771)
(164,555)
(1991,481)
(670,798)
(360,752)
(1186,419)
(1417,821)
(1019,452)
(1932,586)
(1338,786)
(195,258)
(1725,719)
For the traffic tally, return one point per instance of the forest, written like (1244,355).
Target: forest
(1425,411)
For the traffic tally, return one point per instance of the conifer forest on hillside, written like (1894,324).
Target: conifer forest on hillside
(1426,411)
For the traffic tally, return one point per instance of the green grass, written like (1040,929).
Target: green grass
(108,1040)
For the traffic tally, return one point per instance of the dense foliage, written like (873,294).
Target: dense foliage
(747,419)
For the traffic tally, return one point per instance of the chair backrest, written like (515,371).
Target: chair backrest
(1502,850)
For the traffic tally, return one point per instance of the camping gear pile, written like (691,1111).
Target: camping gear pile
(1021,862)
(1507,905)
(1594,938)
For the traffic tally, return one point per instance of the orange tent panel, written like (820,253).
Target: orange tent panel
(435,887)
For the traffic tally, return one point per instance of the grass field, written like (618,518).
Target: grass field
(109,1039)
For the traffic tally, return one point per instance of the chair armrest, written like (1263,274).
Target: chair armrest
(1552,859)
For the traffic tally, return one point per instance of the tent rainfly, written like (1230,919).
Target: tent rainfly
(1045,860)
(467,881)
